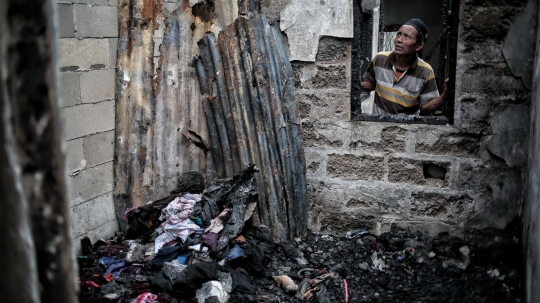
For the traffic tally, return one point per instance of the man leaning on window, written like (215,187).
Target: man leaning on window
(404,83)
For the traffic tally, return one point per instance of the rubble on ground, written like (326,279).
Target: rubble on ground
(201,247)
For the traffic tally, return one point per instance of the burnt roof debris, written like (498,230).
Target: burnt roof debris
(247,82)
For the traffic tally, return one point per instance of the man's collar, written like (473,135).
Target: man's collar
(392,60)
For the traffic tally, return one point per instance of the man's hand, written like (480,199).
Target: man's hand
(367,86)
(436,103)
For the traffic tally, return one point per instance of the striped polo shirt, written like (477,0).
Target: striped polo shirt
(405,94)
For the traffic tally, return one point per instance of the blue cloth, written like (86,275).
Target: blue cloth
(182,259)
(197,221)
(236,252)
(114,265)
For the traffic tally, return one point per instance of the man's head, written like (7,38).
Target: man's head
(411,37)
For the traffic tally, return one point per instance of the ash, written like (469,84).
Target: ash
(200,247)
(403,267)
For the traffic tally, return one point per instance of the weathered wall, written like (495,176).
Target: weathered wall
(531,210)
(88,31)
(373,175)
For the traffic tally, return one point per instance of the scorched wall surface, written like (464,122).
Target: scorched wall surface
(371,175)
(360,174)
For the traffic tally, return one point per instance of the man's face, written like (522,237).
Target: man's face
(405,42)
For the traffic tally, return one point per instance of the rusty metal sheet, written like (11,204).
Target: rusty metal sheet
(247,79)
(158,115)
(216,115)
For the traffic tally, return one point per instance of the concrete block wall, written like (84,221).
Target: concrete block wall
(431,178)
(88,31)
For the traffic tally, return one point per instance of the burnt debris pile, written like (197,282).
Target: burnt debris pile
(200,246)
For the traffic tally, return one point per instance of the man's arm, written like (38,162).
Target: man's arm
(367,86)
(436,103)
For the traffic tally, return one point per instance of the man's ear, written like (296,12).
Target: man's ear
(419,47)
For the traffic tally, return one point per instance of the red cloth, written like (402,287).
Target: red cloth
(146,298)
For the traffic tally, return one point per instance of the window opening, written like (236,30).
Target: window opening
(389,34)
(376,23)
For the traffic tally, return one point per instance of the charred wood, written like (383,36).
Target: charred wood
(255,73)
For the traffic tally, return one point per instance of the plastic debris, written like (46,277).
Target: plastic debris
(494,273)
(286,283)
(212,289)
(146,297)
(363,265)
(346,289)
(464,258)
(377,263)
(327,238)
(356,234)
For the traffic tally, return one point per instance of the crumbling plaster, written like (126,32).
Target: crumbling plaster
(306,20)
(370,175)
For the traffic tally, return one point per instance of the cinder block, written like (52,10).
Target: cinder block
(65,20)
(79,220)
(103,232)
(69,89)
(82,54)
(98,85)
(403,170)
(91,183)
(321,76)
(113,46)
(113,2)
(96,21)
(352,167)
(89,119)
(92,2)
(441,206)
(98,148)
(325,105)
(444,141)
(75,155)
(324,134)
(333,49)
(380,138)
(100,210)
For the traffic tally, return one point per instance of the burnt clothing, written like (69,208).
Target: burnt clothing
(405,94)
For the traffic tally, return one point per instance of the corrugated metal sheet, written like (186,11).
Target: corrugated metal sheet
(156,113)
(134,106)
(243,112)
(247,82)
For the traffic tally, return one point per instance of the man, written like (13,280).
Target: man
(404,83)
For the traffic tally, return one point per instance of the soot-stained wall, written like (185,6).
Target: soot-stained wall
(434,178)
